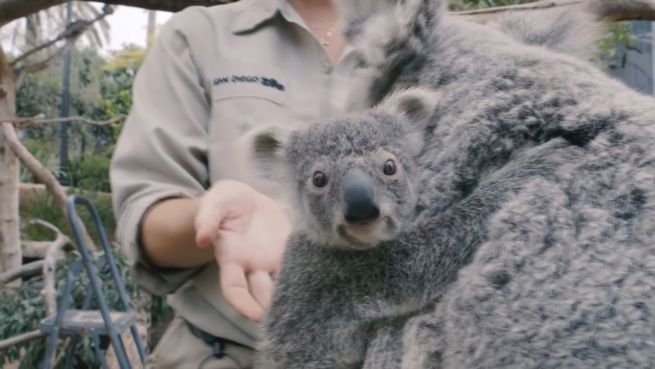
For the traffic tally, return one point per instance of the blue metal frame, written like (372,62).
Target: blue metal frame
(52,326)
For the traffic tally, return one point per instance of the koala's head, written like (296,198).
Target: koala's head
(353,178)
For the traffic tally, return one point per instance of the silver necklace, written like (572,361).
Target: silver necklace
(324,37)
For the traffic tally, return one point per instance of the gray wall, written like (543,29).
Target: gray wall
(635,68)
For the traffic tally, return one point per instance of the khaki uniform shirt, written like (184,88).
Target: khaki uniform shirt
(214,75)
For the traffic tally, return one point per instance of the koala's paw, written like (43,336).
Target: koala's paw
(423,342)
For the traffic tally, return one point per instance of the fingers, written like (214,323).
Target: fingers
(235,289)
(261,287)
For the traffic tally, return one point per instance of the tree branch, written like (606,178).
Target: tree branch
(617,10)
(9,342)
(36,50)
(20,73)
(606,9)
(15,9)
(28,122)
(34,249)
(41,173)
(50,266)
(26,270)
(72,32)
(10,251)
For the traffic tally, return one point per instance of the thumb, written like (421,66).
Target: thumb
(207,225)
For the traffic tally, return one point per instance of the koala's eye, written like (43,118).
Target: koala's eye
(319,179)
(389,167)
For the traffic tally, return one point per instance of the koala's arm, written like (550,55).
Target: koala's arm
(429,255)
(311,323)
(385,349)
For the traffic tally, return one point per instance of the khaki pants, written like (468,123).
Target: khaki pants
(179,348)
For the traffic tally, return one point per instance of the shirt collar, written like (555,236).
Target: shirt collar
(256,12)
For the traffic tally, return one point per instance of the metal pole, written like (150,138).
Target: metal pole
(152,28)
(65,102)
(652,55)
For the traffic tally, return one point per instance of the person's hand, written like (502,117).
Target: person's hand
(248,231)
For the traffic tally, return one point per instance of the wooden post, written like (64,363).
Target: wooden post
(10,251)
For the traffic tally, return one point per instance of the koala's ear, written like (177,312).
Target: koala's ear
(417,106)
(268,146)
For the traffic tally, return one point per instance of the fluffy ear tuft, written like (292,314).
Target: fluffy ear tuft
(268,150)
(417,106)
(267,144)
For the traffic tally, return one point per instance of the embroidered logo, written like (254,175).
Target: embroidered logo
(267,82)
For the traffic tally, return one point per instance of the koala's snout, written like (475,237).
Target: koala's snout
(358,191)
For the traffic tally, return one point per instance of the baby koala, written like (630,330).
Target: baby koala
(354,185)
(353,180)
(365,255)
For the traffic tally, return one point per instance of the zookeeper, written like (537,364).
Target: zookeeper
(194,218)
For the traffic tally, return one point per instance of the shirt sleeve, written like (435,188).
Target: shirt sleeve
(162,149)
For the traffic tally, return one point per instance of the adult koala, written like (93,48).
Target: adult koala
(530,269)
(565,275)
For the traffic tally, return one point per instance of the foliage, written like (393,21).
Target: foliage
(40,94)
(23,309)
(116,91)
(42,151)
(116,94)
(101,89)
(43,207)
(89,173)
(615,44)
(129,58)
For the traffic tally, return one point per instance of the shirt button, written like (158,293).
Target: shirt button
(327,67)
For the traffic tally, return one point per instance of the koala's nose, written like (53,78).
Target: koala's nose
(359,197)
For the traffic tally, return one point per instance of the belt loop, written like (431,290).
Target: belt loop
(216,343)
(218,348)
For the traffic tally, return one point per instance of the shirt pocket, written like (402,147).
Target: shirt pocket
(244,97)
(230,88)
(243,101)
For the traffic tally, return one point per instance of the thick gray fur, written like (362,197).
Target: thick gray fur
(334,306)
(534,242)
(391,36)
(569,31)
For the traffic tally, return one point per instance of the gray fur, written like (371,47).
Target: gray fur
(564,30)
(532,240)
(392,36)
(341,303)
(340,150)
